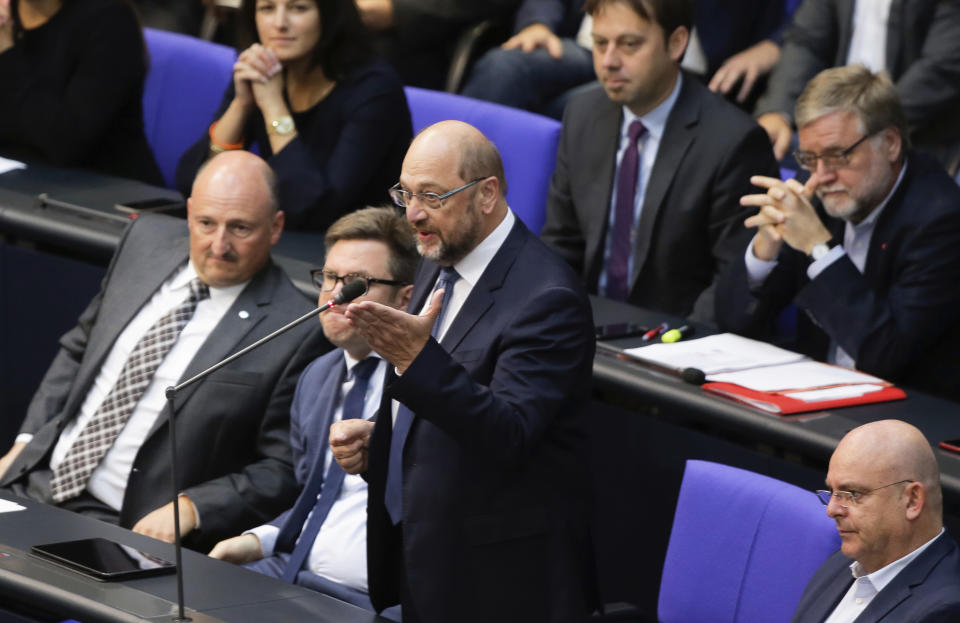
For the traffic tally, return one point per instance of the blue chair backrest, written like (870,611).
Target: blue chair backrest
(527,144)
(183,88)
(742,549)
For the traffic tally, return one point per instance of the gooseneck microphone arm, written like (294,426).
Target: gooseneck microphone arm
(349,292)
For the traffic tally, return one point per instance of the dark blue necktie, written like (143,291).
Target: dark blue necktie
(618,267)
(393,497)
(328,486)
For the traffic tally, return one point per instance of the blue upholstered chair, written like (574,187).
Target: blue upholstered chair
(742,549)
(527,144)
(184,86)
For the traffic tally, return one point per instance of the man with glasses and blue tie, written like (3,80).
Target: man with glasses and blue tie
(868,247)
(321,542)
(896,562)
(477,466)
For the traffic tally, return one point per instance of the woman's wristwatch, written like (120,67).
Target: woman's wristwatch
(282,125)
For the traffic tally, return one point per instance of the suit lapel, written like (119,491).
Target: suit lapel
(605,140)
(901,587)
(820,600)
(150,268)
(230,331)
(481,296)
(136,283)
(888,223)
(677,136)
(844,10)
(894,40)
(327,399)
(423,285)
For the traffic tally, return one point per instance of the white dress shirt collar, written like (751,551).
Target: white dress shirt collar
(654,121)
(881,577)
(471,267)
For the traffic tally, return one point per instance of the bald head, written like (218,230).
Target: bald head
(240,170)
(474,154)
(892,450)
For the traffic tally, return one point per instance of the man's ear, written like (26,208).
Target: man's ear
(893,144)
(489,194)
(403,296)
(916,496)
(677,43)
(277,227)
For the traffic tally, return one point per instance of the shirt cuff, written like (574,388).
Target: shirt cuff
(757,270)
(268,537)
(196,511)
(815,268)
(23,438)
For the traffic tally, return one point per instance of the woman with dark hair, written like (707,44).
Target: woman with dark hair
(330,118)
(72,81)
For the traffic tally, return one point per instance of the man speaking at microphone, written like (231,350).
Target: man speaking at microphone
(478,478)
(177,298)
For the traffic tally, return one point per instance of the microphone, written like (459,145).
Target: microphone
(346,294)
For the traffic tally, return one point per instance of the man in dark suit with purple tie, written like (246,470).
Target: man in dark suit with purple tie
(320,542)
(644,199)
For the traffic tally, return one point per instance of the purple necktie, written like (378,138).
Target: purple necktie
(618,269)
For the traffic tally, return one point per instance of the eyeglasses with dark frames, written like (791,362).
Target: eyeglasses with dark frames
(848,498)
(326,280)
(430,200)
(832,159)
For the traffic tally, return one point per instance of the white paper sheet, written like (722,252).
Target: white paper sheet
(714,354)
(6,506)
(798,375)
(835,393)
(10,165)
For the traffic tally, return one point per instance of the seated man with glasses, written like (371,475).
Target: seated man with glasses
(896,562)
(321,542)
(868,248)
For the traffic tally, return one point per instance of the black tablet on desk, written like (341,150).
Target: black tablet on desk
(103,559)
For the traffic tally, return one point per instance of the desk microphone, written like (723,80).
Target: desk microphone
(346,294)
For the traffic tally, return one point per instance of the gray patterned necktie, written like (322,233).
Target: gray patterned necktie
(70,477)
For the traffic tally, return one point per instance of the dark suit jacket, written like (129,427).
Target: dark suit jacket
(496,487)
(897,318)
(691,223)
(233,427)
(925,591)
(311,414)
(923,56)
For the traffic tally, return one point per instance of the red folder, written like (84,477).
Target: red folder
(782,403)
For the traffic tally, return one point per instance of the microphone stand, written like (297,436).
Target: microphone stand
(346,294)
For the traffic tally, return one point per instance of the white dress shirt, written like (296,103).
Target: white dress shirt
(868,45)
(109,480)
(339,552)
(851,606)
(655,122)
